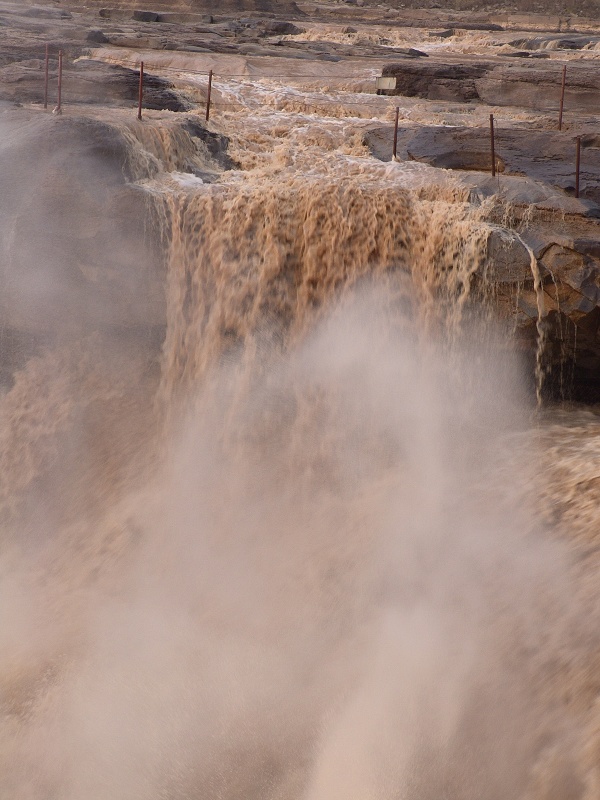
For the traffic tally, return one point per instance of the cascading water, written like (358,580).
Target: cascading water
(313,549)
(257,260)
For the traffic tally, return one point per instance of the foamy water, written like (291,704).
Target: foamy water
(323,546)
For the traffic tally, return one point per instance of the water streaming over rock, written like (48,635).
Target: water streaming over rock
(266,261)
(314,547)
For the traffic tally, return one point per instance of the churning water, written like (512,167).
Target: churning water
(320,548)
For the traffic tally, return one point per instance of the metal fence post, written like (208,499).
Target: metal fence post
(493,145)
(395,148)
(141,90)
(58,109)
(210,77)
(46,69)
(577,165)
(562,97)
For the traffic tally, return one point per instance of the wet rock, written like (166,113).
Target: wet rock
(517,153)
(47,13)
(478,26)
(193,8)
(276,28)
(453,148)
(564,259)
(442,34)
(560,42)
(90,81)
(558,228)
(159,93)
(79,239)
(96,37)
(411,52)
(497,82)
(576,269)
(589,247)
(216,144)
(145,16)
(508,258)
(85,247)
(435,81)
(590,140)
(136,41)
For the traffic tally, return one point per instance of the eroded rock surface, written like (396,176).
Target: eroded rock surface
(547,156)
(82,242)
(496,82)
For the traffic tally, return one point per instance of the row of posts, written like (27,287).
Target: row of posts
(493,136)
(58,110)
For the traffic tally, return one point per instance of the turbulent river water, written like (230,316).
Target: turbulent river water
(324,545)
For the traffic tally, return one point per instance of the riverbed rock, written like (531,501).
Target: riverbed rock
(82,244)
(43,12)
(281,28)
(508,258)
(145,16)
(498,82)
(90,81)
(434,80)
(78,250)
(517,153)
(96,36)
(557,42)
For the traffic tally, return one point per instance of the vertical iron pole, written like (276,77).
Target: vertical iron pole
(493,145)
(47,64)
(395,148)
(577,165)
(141,91)
(210,76)
(562,97)
(58,108)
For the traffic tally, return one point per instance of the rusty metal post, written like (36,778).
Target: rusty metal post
(562,97)
(493,145)
(395,148)
(210,77)
(141,91)
(577,165)
(47,65)
(58,109)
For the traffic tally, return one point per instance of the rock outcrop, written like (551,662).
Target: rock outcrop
(531,203)
(496,82)
(88,82)
(82,243)
(517,152)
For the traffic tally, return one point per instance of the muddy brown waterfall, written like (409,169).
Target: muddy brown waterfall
(283,517)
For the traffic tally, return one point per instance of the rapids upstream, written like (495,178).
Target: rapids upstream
(320,542)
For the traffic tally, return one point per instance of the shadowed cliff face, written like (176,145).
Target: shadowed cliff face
(76,244)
